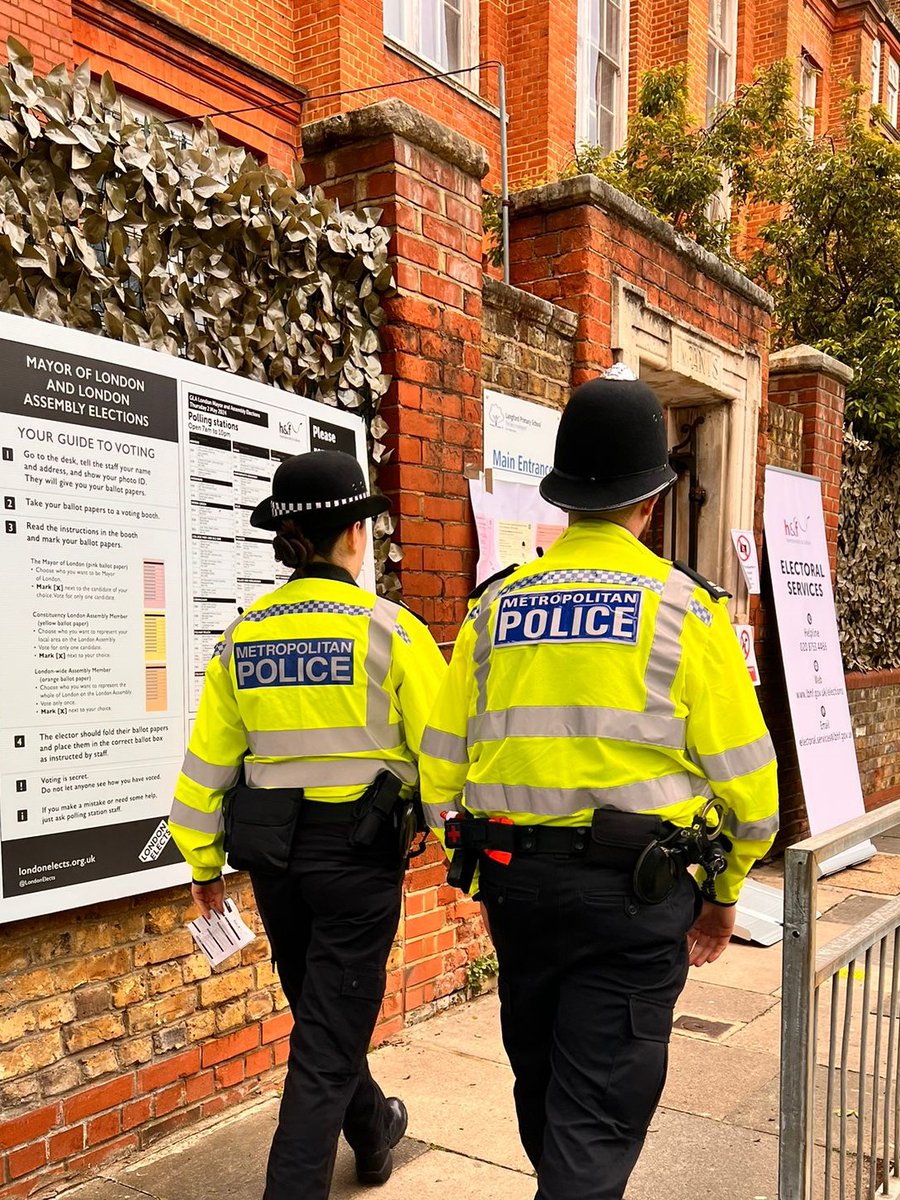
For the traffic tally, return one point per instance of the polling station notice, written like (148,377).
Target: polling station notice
(127,479)
(797,550)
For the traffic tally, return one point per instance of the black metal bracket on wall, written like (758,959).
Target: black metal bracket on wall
(683,460)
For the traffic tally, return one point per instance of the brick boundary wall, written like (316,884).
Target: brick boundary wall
(875,709)
(527,345)
(114,1032)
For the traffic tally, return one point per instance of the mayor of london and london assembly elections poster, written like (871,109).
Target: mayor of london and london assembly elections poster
(127,479)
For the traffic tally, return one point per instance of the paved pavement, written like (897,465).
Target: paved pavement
(714,1134)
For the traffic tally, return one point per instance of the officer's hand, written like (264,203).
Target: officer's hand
(710,933)
(209,896)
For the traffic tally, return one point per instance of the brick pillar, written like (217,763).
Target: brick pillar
(560,250)
(814,384)
(427,180)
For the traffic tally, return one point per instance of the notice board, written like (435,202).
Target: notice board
(512,518)
(127,479)
(797,551)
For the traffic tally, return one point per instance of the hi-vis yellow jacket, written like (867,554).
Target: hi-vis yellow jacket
(601,675)
(318,685)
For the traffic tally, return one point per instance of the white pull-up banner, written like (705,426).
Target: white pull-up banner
(811,651)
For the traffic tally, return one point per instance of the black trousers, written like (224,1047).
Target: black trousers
(588,982)
(331,919)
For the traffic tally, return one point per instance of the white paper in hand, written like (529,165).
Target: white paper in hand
(221,936)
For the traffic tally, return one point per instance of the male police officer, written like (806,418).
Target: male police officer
(597,699)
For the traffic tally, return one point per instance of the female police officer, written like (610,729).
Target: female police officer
(317,696)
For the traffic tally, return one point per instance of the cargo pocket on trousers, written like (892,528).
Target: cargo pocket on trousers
(652,1022)
(363,983)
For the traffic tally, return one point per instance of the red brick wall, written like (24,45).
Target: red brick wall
(570,252)
(44,26)
(164,65)
(541,85)
(433,341)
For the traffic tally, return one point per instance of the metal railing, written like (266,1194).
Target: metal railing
(839,1118)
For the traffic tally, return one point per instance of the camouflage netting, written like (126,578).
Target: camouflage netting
(868,590)
(110,224)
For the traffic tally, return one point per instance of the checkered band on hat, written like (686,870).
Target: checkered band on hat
(284,508)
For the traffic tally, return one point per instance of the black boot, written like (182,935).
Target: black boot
(375,1169)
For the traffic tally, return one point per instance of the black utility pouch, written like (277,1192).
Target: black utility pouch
(375,809)
(259,827)
(655,874)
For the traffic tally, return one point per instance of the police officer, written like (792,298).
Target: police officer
(311,718)
(596,700)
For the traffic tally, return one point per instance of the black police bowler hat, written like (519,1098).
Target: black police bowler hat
(611,448)
(324,488)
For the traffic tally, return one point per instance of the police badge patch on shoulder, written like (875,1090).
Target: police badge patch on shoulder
(717,593)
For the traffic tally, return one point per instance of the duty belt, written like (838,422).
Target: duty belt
(610,829)
(656,851)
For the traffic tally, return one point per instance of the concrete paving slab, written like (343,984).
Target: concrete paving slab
(880,874)
(438,1175)
(472,1029)
(686,1157)
(702,999)
(888,843)
(761,1112)
(229,1156)
(827,897)
(745,967)
(449,1095)
(714,1079)
(104,1189)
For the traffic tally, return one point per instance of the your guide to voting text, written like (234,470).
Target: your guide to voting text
(127,479)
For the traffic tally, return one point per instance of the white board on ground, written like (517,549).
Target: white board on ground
(127,478)
(810,649)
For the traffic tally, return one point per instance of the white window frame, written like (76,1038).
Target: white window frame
(721,47)
(876,71)
(587,124)
(409,37)
(809,94)
(893,91)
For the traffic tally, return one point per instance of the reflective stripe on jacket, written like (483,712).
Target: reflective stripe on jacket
(318,685)
(601,675)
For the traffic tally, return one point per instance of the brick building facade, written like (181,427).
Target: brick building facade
(113,1031)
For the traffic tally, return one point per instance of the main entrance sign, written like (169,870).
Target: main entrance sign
(127,480)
